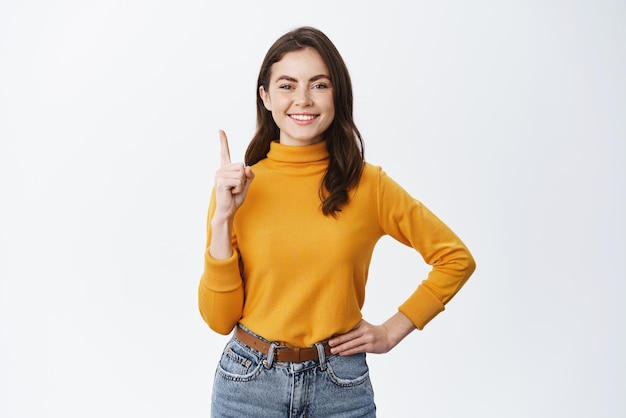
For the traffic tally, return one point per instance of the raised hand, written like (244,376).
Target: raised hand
(231,183)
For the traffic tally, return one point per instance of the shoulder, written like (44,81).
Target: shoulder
(371,172)
(260,164)
(370,181)
(375,175)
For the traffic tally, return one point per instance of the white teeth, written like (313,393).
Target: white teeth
(303,117)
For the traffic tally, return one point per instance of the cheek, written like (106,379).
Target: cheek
(330,105)
(279,104)
(331,109)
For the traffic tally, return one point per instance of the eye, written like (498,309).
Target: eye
(285,87)
(320,86)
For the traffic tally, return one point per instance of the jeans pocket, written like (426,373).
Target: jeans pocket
(347,371)
(239,363)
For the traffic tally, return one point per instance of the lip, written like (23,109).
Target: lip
(303,118)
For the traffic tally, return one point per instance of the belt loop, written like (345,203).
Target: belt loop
(271,353)
(322,355)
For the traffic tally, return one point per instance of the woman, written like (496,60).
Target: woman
(290,237)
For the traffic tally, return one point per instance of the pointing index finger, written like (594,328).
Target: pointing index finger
(224,150)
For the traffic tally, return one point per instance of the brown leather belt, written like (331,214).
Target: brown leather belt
(283,353)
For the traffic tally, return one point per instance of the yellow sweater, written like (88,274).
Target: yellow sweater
(297,276)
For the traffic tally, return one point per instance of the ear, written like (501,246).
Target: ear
(266,98)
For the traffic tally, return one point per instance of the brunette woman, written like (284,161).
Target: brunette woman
(290,237)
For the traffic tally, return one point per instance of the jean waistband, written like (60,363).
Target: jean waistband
(283,353)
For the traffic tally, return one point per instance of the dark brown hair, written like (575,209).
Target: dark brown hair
(343,140)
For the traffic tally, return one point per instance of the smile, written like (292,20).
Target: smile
(303,118)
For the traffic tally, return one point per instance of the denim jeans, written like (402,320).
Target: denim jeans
(248,384)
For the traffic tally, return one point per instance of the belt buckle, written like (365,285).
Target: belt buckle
(286,350)
(291,354)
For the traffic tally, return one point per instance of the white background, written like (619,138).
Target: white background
(506,118)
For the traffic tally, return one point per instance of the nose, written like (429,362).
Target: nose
(303,97)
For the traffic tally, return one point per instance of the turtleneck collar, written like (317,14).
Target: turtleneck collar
(298,154)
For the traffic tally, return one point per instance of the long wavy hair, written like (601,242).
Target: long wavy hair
(343,140)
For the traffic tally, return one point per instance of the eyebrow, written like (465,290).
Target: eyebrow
(294,80)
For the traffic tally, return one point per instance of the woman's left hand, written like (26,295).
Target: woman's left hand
(368,338)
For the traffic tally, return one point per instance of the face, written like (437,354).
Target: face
(300,97)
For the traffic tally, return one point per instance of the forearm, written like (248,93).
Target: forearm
(220,294)
(220,245)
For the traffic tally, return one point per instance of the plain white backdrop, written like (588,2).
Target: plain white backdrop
(506,118)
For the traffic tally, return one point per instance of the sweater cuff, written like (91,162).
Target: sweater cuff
(421,307)
(221,275)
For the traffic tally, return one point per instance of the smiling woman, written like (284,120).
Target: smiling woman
(300,97)
(287,270)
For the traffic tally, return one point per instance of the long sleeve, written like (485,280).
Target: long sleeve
(407,220)
(220,293)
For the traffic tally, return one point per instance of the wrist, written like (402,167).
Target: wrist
(220,247)
(220,221)
(398,327)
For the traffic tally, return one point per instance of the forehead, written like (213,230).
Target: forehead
(303,63)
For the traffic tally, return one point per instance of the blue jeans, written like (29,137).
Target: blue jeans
(248,384)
